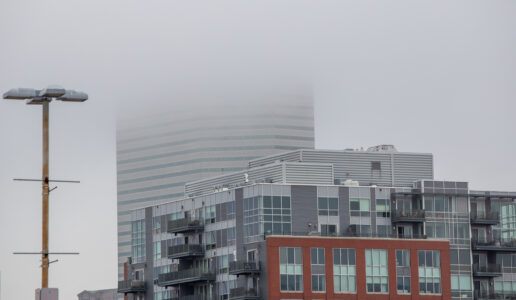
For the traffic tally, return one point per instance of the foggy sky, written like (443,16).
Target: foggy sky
(427,76)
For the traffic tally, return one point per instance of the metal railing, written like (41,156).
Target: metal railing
(416,215)
(185,276)
(491,217)
(242,292)
(131,286)
(489,268)
(492,243)
(354,234)
(185,225)
(243,267)
(194,297)
(185,250)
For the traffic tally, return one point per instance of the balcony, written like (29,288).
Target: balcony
(185,225)
(413,216)
(185,276)
(487,218)
(186,251)
(493,245)
(131,286)
(243,294)
(484,295)
(243,267)
(490,270)
(194,297)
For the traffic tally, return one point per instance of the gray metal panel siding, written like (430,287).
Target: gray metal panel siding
(292,156)
(354,165)
(343,208)
(239,215)
(411,167)
(295,173)
(304,207)
(300,173)
(373,211)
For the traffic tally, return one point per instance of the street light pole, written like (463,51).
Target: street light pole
(45,192)
(44,97)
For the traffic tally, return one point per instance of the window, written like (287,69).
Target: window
(359,207)
(328,230)
(360,230)
(318,269)
(429,271)
(460,256)
(344,272)
(156,224)
(376,271)
(267,215)
(328,206)
(209,215)
(138,241)
(376,166)
(157,250)
(508,221)
(383,208)
(231,210)
(223,262)
(461,283)
(291,269)
(383,230)
(403,271)
(231,236)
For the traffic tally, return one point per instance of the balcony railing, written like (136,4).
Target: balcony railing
(185,225)
(484,295)
(489,270)
(193,297)
(243,267)
(412,216)
(243,294)
(486,218)
(131,286)
(185,276)
(186,251)
(493,245)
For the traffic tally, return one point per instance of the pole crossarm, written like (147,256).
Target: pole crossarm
(41,252)
(50,180)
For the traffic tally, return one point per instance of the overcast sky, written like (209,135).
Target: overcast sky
(427,76)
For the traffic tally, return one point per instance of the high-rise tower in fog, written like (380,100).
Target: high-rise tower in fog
(158,153)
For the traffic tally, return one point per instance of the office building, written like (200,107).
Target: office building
(302,228)
(158,154)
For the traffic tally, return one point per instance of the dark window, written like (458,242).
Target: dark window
(376,166)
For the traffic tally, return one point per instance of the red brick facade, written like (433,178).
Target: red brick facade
(359,244)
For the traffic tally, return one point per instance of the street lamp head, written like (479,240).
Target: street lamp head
(37,100)
(20,94)
(53,91)
(73,96)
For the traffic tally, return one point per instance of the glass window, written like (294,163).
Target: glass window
(344,272)
(291,269)
(318,269)
(138,241)
(377,276)
(403,271)
(328,206)
(429,271)
(359,206)
(383,208)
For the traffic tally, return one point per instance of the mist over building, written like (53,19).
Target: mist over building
(159,151)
